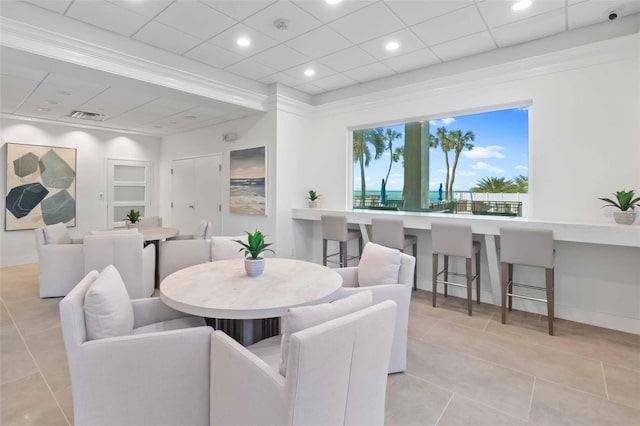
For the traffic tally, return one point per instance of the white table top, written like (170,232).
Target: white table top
(156,233)
(222,289)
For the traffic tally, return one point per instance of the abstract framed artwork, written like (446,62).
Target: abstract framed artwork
(248,181)
(41,186)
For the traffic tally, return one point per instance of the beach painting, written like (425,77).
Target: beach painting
(248,181)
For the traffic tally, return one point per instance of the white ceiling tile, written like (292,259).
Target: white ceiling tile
(213,55)
(29,73)
(238,9)
(465,46)
(347,59)
(195,18)
(282,78)
(116,101)
(14,90)
(165,37)
(370,72)
(321,71)
(299,21)
(58,6)
(592,11)
(496,13)
(50,112)
(319,42)
(310,88)
(333,82)
(281,57)
(144,8)
(67,81)
(412,12)
(529,29)
(408,42)
(410,61)
(368,23)
(330,12)
(228,38)
(450,26)
(108,16)
(251,69)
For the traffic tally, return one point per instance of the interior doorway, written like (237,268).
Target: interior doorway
(197,192)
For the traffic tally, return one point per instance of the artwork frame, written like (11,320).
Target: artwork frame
(40,186)
(248,181)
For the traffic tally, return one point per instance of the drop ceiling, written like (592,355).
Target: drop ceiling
(344,44)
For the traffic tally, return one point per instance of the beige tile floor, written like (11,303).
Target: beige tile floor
(461,370)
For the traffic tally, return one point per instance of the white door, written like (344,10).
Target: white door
(197,192)
(128,187)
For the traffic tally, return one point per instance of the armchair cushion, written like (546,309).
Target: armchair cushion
(57,234)
(201,230)
(301,318)
(378,265)
(107,308)
(174,324)
(226,248)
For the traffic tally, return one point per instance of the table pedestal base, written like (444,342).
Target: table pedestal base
(247,332)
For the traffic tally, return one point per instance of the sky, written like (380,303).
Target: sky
(247,163)
(500,150)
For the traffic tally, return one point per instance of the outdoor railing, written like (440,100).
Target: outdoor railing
(491,208)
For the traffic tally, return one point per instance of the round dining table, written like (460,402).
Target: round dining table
(222,290)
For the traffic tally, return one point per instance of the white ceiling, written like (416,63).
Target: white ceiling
(343,43)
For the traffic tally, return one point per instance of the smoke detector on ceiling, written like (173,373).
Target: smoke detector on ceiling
(281,24)
(83,115)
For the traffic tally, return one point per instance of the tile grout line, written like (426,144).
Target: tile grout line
(488,322)
(429,330)
(445,408)
(533,390)
(604,379)
(44,379)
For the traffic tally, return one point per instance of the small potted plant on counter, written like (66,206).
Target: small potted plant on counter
(626,203)
(255,246)
(313,198)
(132,218)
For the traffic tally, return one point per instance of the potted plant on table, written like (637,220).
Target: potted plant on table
(132,218)
(626,204)
(313,198)
(253,248)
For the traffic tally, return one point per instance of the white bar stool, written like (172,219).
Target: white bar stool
(335,228)
(530,247)
(389,232)
(455,240)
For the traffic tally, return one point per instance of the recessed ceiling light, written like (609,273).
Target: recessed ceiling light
(63,92)
(521,5)
(309,72)
(392,45)
(332,1)
(243,42)
(42,109)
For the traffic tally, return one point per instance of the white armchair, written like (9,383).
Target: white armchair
(150,222)
(155,378)
(399,292)
(203,231)
(61,266)
(336,375)
(135,263)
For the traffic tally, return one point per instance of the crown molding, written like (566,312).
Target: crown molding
(21,36)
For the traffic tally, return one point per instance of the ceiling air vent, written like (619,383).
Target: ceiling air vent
(83,115)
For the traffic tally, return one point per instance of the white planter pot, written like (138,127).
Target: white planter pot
(254,267)
(313,204)
(624,218)
(131,225)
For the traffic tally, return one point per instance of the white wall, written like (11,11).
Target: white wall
(94,147)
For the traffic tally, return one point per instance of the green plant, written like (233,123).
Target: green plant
(256,245)
(133,216)
(625,200)
(313,195)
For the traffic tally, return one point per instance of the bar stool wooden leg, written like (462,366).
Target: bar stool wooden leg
(343,254)
(549,283)
(478,277)
(511,286)
(469,284)
(504,282)
(446,276)
(324,252)
(415,271)
(359,247)
(434,287)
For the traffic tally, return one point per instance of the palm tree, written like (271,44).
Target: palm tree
(442,140)
(459,141)
(494,184)
(389,136)
(362,154)
(522,184)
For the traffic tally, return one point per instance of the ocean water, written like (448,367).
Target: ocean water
(247,196)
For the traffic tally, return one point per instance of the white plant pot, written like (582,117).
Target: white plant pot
(313,204)
(624,218)
(131,225)
(254,267)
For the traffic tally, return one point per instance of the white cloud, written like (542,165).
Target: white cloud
(523,109)
(522,168)
(492,151)
(488,167)
(441,122)
(385,154)
(462,173)
(443,171)
(397,175)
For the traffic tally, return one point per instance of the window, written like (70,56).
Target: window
(129,186)
(467,164)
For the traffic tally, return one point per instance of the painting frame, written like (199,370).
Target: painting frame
(248,181)
(40,186)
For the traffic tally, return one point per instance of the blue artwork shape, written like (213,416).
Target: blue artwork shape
(55,172)
(22,199)
(60,207)
(26,164)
